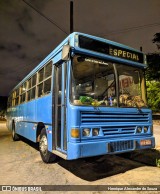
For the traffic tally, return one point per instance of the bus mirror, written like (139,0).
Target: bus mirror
(65,53)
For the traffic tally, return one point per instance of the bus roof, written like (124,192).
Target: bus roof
(71,40)
(105,41)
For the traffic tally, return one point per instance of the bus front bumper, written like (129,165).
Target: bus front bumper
(95,148)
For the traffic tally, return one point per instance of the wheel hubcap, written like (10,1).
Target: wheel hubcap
(43,145)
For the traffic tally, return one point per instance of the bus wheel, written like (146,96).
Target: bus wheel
(46,156)
(15,136)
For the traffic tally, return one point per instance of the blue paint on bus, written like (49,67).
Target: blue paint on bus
(116,122)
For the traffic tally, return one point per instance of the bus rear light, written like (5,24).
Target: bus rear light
(86,132)
(75,133)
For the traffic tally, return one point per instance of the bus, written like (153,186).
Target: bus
(86,98)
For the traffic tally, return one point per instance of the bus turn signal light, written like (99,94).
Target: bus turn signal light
(75,133)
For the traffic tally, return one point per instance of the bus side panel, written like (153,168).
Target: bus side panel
(29,121)
(20,120)
(17,117)
(9,119)
(44,110)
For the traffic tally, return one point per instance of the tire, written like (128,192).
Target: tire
(46,156)
(15,136)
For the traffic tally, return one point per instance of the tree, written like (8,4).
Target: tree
(153,95)
(156,40)
(153,67)
(2,113)
(153,76)
(153,60)
(3,106)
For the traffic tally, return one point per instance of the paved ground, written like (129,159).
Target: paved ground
(21,165)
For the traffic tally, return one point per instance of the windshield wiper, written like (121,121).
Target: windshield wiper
(108,87)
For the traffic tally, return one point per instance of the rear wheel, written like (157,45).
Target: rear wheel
(15,136)
(46,156)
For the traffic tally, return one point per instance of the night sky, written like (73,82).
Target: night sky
(26,37)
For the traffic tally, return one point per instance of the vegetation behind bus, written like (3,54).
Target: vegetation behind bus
(153,76)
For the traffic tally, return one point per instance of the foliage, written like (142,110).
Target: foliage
(156,40)
(153,67)
(153,60)
(158,162)
(3,105)
(153,95)
(153,76)
(2,113)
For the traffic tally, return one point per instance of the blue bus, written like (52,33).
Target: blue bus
(86,98)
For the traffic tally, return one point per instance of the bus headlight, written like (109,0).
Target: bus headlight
(139,129)
(95,131)
(145,129)
(86,132)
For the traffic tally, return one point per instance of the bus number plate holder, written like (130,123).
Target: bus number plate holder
(145,142)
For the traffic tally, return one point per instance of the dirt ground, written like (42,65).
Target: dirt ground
(20,164)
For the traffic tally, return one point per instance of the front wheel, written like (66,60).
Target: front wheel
(15,136)
(46,156)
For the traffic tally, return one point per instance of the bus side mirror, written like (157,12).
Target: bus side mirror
(66,53)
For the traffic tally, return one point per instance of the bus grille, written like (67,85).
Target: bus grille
(123,130)
(114,124)
(121,146)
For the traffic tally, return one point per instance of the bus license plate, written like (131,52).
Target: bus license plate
(145,142)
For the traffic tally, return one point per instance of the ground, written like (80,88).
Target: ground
(21,165)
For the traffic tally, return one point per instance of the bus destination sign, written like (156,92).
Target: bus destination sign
(105,48)
(122,53)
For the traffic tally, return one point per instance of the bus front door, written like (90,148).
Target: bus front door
(59,108)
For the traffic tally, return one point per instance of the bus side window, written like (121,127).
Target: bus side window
(47,77)
(31,88)
(9,102)
(17,99)
(13,98)
(48,70)
(47,86)
(40,82)
(41,75)
(34,80)
(29,95)
(44,80)
(40,89)
(33,92)
(23,90)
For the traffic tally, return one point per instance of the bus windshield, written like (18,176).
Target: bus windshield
(93,82)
